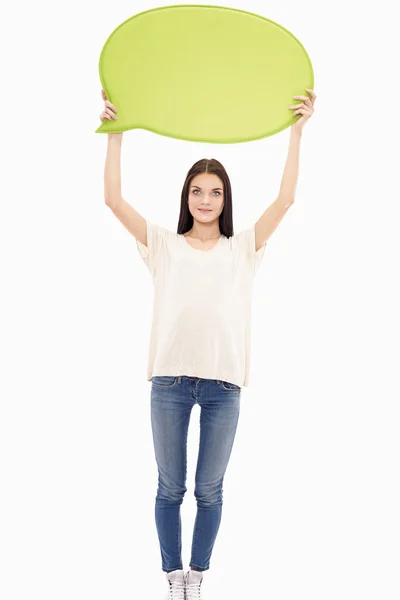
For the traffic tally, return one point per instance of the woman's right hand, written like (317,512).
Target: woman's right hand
(109,113)
(109,109)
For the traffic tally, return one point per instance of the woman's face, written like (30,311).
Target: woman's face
(206,191)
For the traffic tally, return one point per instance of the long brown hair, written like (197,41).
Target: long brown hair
(207,165)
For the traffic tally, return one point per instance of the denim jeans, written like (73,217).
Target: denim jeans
(172,399)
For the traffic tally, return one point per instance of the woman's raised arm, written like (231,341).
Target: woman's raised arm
(129,217)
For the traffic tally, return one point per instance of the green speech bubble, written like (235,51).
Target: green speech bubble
(203,73)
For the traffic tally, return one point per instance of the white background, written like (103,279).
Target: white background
(311,493)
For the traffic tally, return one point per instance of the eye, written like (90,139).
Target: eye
(215,191)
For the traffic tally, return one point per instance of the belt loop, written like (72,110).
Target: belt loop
(179,378)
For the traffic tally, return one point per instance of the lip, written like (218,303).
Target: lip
(204,210)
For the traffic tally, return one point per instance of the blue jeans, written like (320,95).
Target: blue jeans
(172,399)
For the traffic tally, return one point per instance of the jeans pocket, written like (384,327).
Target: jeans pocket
(227,385)
(164,380)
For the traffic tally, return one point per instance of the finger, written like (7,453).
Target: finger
(304,98)
(312,94)
(307,109)
(107,103)
(105,115)
(103,95)
(108,111)
(302,111)
(306,112)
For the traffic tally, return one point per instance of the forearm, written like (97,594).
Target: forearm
(112,169)
(291,171)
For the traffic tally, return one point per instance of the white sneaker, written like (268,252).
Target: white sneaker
(176,585)
(193,581)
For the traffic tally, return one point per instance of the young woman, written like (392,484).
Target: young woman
(199,348)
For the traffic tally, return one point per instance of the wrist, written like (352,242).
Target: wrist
(295,132)
(115,136)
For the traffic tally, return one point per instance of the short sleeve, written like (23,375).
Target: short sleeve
(246,241)
(155,245)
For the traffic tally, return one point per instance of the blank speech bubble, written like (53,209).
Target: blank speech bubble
(203,73)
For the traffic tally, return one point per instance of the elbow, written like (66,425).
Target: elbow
(111,200)
(286,201)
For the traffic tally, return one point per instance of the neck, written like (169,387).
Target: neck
(205,231)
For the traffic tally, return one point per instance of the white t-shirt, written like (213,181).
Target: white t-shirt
(202,305)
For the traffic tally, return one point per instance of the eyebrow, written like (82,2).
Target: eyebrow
(196,186)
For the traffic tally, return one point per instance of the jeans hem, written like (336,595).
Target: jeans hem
(173,569)
(198,568)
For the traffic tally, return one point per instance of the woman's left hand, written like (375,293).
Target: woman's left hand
(306,109)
